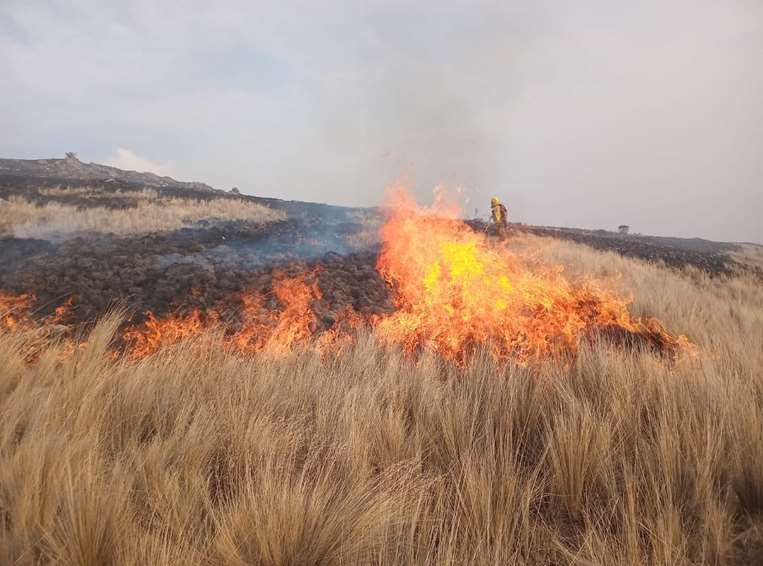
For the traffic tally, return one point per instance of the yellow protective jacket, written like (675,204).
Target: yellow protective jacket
(498,213)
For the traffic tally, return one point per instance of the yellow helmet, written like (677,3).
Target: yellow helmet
(494,201)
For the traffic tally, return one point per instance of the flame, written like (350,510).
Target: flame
(456,291)
(16,316)
(276,329)
(14,310)
(156,333)
(62,311)
(279,330)
(294,323)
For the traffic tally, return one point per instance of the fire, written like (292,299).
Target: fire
(14,310)
(156,333)
(455,291)
(16,316)
(62,311)
(277,331)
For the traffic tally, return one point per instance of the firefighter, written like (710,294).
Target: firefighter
(499,216)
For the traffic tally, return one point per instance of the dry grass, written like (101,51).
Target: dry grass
(24,219)
(198,455)
(750,254)
(98,193)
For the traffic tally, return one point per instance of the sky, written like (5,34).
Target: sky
(588,113)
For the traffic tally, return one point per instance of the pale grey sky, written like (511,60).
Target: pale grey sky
(578,113)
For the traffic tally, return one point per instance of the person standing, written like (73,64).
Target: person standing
(499,216)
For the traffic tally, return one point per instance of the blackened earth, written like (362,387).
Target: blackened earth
(203,267)
(209,265)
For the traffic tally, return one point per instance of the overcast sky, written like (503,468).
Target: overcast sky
(577,113)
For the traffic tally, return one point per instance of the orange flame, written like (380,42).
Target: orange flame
(14,310)
(278,330)
(15,315)
(456,291)
(62,311)
(156,333)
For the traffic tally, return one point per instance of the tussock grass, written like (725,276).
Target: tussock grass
(25,219)
(198,455)
(750,254)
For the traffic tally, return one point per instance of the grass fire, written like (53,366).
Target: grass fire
(441,395)
(454,291)
(381,283)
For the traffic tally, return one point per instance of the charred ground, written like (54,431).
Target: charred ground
(206,265)
(209,263)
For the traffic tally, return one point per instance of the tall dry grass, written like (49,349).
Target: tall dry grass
(202,456)
(750,254)
(24,219)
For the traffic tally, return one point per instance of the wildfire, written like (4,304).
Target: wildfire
(456,291)
(276,330)
(62,311)
(14,309)
(16,315)
(157,333)
(279,330)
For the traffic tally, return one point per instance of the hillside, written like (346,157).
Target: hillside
(61,199)
(71,168)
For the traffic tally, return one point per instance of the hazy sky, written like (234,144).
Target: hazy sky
(577,113)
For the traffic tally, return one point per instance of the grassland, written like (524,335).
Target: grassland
(201,456)
(143,212)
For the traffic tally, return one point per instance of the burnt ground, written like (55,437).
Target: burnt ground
(208,264)
(710,257)
(196,267)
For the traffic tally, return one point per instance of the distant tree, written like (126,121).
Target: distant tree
(623,228)
(71,155)
(235,191)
